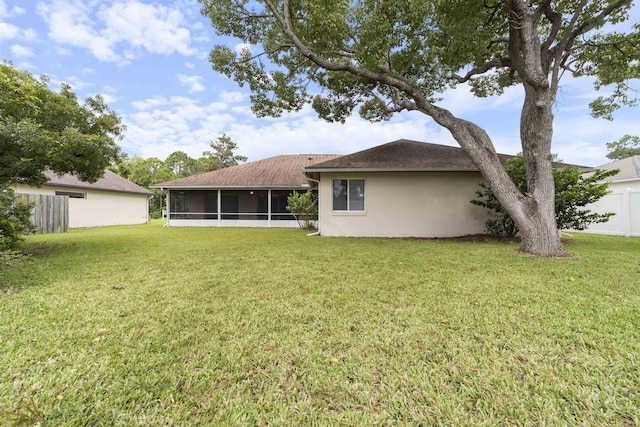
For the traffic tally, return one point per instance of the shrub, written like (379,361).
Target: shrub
(15,220)
(573,191)
(304,207)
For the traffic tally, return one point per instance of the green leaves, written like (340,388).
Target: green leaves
(304,206)
(41,129)
(574,189)
(627,146)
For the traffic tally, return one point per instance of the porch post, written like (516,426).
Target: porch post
(168,208)
(269,208)
(219,207)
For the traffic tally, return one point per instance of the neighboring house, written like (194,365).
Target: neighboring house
(624,200)
(112,200)
(248,195)
(400,189)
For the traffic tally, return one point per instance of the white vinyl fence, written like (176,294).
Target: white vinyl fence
(625,203)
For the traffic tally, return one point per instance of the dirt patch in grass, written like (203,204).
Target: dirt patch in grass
(472,238)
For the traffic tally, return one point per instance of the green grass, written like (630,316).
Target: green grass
(146,325)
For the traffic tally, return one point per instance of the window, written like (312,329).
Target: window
(72,194)
(348,194)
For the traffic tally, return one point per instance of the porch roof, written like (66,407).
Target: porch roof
(285,171)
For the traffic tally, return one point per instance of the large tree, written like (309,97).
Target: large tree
(42,129)
(222,155)
(388,56)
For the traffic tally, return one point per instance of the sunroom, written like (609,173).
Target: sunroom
(248,195)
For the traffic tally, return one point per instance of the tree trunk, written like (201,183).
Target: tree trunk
(538,229)
(534,213)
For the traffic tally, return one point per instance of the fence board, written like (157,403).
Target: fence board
(625,203)
(50,214)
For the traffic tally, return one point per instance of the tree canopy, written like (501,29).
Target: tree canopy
(627,146)
(388,56)
(42,129)
(152,170)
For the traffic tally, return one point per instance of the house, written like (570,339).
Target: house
(623,200)
(112,200)
(400,189)
(248,195)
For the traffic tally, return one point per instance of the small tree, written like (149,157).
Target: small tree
(15,220)
(573,191)
(304,207)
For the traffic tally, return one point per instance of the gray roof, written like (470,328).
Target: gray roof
(285,171)
(408,155)
(109,182)
(629,168)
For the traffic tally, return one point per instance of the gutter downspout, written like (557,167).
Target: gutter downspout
(317,233)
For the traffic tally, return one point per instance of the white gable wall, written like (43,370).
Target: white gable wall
(406,204)
(99,208)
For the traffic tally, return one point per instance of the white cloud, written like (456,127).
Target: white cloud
(7,13)
(29,35)
(159,29)
(76,83)
(108,99)
(119,31)
(189,65)
(20,51)
(8,31)
(164,125)
(232,97)
(62,51)
(193,82)
(155,102)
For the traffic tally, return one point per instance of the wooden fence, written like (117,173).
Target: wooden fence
(50,214)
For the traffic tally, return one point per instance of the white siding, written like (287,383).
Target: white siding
(406,204)
(99,208)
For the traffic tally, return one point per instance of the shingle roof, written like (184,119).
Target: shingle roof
(109,182)
(629,168)
(404,154)
(284,171)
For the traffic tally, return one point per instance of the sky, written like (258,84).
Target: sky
(149,60)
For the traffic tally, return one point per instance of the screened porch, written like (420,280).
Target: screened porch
(240,208)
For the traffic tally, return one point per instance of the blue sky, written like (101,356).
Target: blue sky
(149,60)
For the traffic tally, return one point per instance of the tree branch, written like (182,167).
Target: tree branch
(399,82)
(591,23)
(497,62)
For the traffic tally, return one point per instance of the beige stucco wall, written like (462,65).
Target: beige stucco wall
(99,208)
(406,204)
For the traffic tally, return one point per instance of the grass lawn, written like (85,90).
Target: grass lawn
(145,325)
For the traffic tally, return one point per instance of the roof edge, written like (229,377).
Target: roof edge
(88,187)
(351,169)
(231,187)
